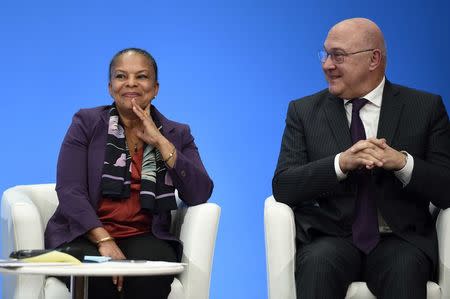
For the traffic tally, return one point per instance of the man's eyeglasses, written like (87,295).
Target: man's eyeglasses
(338,56)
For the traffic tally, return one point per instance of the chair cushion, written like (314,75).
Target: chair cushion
(177,291)
(433,290)
(55,289)
(359,290)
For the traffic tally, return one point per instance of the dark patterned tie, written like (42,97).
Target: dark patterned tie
(365,226)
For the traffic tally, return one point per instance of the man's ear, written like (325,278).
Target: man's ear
(375,59)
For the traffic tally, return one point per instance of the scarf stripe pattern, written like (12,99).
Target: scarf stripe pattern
(155,196)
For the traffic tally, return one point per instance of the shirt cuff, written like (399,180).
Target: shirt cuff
(404,174)
(339,174)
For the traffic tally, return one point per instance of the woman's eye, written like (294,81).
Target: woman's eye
(120,76)
(142,76)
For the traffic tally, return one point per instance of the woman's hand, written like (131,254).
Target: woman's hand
(149,133)
(107,248)
(110,248)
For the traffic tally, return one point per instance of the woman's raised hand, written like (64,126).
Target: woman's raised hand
(148,133)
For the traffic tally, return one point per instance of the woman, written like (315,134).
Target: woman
(117,171)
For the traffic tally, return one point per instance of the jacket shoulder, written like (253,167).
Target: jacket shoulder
(310,103)
(323,94)
(416,100)
(92,114)
(169,125)
(87,119)
(412,92)
(177,125)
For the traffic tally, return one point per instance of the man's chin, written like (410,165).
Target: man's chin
(334,90)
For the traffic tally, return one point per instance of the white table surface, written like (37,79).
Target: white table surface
(147,268)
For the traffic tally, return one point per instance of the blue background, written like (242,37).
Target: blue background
(228,68)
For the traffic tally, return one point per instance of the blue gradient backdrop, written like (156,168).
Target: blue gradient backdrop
(228,68)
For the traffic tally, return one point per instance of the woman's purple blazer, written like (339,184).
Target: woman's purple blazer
(79,172)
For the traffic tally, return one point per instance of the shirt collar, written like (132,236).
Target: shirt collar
(376,95)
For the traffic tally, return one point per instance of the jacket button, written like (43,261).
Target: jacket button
(183,173)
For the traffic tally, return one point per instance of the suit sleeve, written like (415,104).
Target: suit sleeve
(72,178)
(297,180)
(430,178)
(188,175)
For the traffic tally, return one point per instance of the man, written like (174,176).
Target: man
(359,164)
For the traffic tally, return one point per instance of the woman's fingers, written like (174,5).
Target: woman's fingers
(138,110)
(120,283)
(149,133)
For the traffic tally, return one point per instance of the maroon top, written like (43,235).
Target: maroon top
(125,218)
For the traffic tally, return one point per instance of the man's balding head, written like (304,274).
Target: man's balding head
(363,32)
(359,43)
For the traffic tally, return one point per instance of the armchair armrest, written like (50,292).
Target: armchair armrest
(197,230)
(279,226)
(21,228)
(21,223)
(443,232)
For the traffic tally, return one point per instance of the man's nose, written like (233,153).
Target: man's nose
(328,63)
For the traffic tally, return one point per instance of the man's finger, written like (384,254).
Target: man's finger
(361,145)
(381,143)
(369,159)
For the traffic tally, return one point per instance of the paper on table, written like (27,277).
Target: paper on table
(52,257)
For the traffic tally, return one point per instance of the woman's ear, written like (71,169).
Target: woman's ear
(156,89)
(110,89)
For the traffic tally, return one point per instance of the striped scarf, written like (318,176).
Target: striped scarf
(155,195)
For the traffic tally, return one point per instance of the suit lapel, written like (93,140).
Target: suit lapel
(335,113)
(391,110)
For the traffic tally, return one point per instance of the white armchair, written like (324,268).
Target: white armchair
(25,211)
(280,255)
